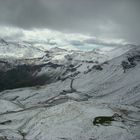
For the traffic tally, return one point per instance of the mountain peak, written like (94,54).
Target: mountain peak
(3,42)
(57,49)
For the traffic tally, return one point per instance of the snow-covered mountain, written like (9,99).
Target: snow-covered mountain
(18,50)
(63,94)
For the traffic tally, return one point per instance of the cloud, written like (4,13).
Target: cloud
(46,38)
(101,18)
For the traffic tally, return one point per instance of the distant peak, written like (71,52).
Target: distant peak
(3,42)
(57,49)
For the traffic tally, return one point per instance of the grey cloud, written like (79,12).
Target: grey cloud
(100,42)
(92,41)
(101,18)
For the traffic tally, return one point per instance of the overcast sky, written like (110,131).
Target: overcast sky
(112,19)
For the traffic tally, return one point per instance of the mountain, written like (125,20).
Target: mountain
(71,95)
(18,50)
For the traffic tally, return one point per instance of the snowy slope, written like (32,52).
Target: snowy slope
(65,109)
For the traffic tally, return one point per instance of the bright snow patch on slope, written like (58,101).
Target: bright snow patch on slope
(6,106)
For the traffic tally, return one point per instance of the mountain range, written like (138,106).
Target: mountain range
(59,94)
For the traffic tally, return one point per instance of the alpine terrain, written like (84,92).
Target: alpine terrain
(59,94)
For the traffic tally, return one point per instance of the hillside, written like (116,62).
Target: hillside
(72,89)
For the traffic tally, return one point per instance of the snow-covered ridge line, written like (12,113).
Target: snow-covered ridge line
(25,50)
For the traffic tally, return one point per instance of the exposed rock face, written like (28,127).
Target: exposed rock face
(126,65)
(131,61)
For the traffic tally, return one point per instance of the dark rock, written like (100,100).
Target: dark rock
(97,67)
(50,64)
(105,120)
(127,65)
(3,138)
(3,42)
(5,122)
